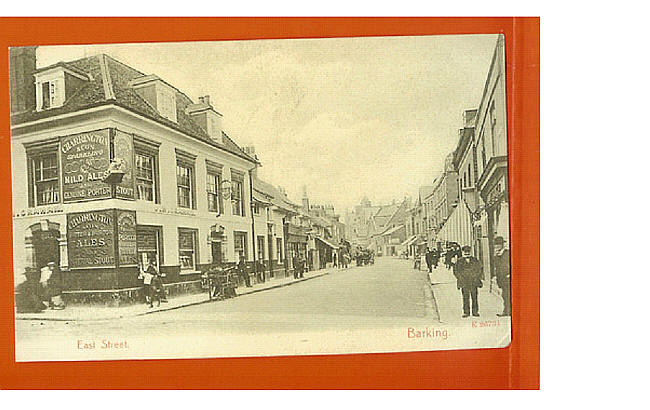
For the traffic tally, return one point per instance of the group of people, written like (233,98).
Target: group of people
(41,289)
(341,262)
(364,256)
(432,257)
(299,266)
(468,271)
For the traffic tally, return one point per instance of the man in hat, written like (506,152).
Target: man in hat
(502,272)
(428,257)
(468,279)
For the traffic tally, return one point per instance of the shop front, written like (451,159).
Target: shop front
(325,253)
(296,244)
(494,193)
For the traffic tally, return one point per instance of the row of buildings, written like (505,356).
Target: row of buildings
(467,203)
(114,168)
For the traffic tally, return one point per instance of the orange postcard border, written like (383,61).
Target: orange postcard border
(514,367)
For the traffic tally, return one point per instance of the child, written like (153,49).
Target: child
(157,289)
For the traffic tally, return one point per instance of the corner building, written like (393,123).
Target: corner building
(183,202)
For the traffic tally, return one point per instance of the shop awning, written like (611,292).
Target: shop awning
(410,241)
(392,230)
(327,243)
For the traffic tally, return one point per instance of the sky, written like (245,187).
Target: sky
(347,118)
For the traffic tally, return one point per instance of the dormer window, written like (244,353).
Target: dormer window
(50,94)
(167,104)
(54,83)
(158,94)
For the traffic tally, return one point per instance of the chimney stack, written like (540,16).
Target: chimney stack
(207,118)
(22,64)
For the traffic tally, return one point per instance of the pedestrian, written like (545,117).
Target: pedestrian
(416,261)
(436,257)
(502,272)
(147,277)
(241,268)
(449,254)
(55,287)
(157,289)
(295,266)
(429,259)
(334,260)
(45,291)
(468,274)
(303,267)
(28,297)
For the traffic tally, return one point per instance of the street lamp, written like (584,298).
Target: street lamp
(115,172)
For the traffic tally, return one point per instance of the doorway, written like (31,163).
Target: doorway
(46,248)
(217,256)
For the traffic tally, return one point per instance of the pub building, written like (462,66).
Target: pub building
(114,169)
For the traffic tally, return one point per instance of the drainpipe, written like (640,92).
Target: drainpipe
(254,239)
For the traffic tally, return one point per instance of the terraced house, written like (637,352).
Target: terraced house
(114,168)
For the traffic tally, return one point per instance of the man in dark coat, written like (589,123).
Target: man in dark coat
(429,258)
(468,279)
(502,272)
(241,267)
(436,257)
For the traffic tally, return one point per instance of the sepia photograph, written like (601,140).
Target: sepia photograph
(260,197)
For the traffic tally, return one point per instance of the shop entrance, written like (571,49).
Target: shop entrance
(148,245)
(46,248)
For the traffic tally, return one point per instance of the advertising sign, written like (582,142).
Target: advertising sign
(91,238)
(126,238)
(123,152)
(84,160)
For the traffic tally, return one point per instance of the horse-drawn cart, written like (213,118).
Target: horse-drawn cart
(220,282)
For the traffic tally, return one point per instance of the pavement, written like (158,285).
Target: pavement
(449,300)
(94,313)
(385,307)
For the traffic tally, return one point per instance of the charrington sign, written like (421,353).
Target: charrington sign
(102,239)
(85,160)
(91,237)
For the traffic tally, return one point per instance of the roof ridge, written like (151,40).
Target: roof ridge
(237,145)
(108,56)
(109,93)
(143,74)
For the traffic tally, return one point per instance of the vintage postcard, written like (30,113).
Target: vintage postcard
(260,198)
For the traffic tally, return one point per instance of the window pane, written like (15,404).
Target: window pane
(47,193)
(186,249)
(183,180)
(46,181)
(212,187)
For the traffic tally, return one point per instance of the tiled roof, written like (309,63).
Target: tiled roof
(277,198)
(320,221)
(425,191)
(109,84)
